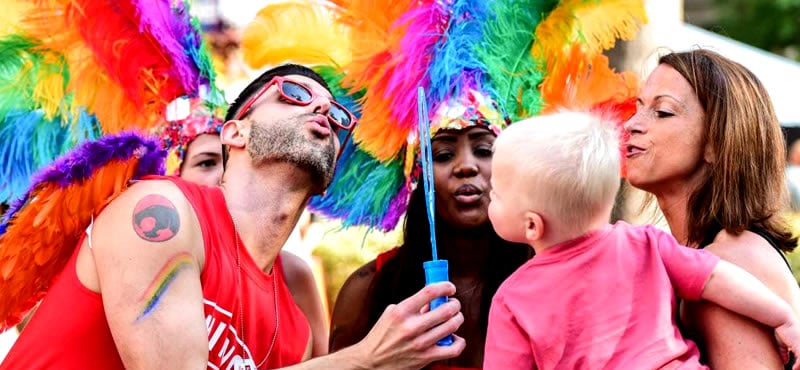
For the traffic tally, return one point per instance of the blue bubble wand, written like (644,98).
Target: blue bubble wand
(426,158)
(436,269)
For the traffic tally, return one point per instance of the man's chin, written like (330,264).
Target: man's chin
(320,177)
(320,183)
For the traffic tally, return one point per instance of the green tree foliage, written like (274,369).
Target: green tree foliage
(772,25)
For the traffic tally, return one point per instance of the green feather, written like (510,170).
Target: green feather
(506,52)
(14,55)
(23,63)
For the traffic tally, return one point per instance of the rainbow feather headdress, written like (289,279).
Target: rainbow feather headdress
(481,62)
(71,71)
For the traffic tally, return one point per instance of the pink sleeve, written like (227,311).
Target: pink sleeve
(507,345)
(688,268)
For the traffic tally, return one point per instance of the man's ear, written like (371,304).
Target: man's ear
(534,227)
(234,133)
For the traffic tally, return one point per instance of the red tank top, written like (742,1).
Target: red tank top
(69,330)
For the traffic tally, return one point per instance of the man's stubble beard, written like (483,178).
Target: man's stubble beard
(285,141)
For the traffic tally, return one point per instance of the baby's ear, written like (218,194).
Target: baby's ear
(234,133)
(534,227)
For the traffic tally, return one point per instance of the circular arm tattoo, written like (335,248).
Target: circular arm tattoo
(155,218)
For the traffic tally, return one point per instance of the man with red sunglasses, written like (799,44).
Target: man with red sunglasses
(170,273)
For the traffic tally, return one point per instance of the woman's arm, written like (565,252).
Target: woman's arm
(351,311)
(735,289)
(732,341)
(303,287)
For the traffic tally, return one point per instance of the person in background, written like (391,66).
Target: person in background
(793,175)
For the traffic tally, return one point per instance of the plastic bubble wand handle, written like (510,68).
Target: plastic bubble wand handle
(435,270)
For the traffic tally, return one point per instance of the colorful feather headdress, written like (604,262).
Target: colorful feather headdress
(481,62)
(70,71)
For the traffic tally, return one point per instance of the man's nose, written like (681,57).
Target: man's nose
(321,105)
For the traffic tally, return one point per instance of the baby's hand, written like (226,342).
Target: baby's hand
(788,336)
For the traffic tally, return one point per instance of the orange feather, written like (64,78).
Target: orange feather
(31,257)
(583,80)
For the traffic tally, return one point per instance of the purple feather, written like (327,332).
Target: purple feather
(77,165)
(188,29)
(425,26)
(397,207)
(156,18)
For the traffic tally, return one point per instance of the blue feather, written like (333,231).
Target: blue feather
(29,141)
(364,191)
(455,65)
(16,152)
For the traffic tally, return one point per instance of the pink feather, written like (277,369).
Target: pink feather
(157,19)
(395,89)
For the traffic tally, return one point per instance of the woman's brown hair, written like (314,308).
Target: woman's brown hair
(745,187)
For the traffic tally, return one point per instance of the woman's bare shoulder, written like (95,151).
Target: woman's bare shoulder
(751,252)
(754,254)
(349,320)
(359,281)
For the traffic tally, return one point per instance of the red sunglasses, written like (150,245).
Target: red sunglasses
(298,94)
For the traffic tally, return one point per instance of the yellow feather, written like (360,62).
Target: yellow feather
(302,32)
(173,163)
(50,90)
(12,14)
(89,83)
(596,24)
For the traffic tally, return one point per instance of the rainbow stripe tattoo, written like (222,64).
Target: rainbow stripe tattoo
(162,281)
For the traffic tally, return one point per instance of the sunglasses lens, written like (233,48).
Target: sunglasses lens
(340,116)
(296,92)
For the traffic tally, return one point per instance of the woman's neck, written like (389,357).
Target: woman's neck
(466,250)
(673,200)
(674,207)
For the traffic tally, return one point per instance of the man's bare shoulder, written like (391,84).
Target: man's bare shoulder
(151,211)
(164,188)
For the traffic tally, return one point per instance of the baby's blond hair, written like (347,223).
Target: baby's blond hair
(565,165)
